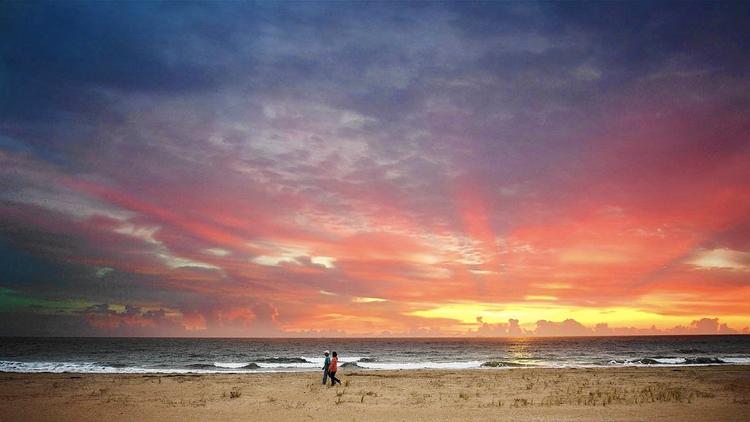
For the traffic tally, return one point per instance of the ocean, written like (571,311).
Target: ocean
(226,355)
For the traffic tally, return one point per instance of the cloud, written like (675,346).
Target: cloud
(573,328)
(704,326)
(228,162)
(103,316)
(509,329)
(569,327)
(721,259)
(367,300)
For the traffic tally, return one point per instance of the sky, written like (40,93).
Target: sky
(374,169)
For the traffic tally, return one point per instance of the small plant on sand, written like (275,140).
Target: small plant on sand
(363,393)
(463,395)
(235,393)
(271,399)
(418,398)
(521,403)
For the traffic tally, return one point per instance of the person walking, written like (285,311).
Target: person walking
(325,366)
(332,367)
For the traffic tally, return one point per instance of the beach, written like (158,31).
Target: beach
(635,393)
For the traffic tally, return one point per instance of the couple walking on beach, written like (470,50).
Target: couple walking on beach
(329,368)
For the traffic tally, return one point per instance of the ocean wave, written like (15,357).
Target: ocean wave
(223,365)
(321,359)
(84,368)
(419,365)
(283,360)
(502,364)
(96,368)
(116,364)
(56,367)
(357,363)
(702,360)
(304,362)
(200,365)
(354,363)
(236,365)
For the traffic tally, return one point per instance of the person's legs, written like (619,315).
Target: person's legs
(334,380)
(325,376)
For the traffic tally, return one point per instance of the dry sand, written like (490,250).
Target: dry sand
(679,394)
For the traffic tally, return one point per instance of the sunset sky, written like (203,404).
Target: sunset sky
(374,169)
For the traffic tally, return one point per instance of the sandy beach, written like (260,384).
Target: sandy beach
(692,393)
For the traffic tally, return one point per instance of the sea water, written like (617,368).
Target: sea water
(225,355)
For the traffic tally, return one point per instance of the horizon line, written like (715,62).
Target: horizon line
(381,337)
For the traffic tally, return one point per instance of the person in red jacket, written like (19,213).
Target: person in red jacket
(332,367)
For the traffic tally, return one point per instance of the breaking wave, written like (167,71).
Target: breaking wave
(234,365)
(503,364)
(703,360)
(291,364)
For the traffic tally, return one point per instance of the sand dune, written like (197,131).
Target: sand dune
(694,393)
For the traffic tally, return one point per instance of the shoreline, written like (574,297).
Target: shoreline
(352,369)
(715,392)
(309,366)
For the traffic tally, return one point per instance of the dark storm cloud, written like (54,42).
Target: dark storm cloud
(141,46)
(62,61)
(635,35)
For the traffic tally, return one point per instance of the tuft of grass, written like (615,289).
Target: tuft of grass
(235,393)
(100,392)
(520,403)
(613,394)
(418,398)
(463,395)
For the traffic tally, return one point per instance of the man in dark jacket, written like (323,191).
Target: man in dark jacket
(325,367)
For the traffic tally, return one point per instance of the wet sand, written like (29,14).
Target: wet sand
(645,394)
